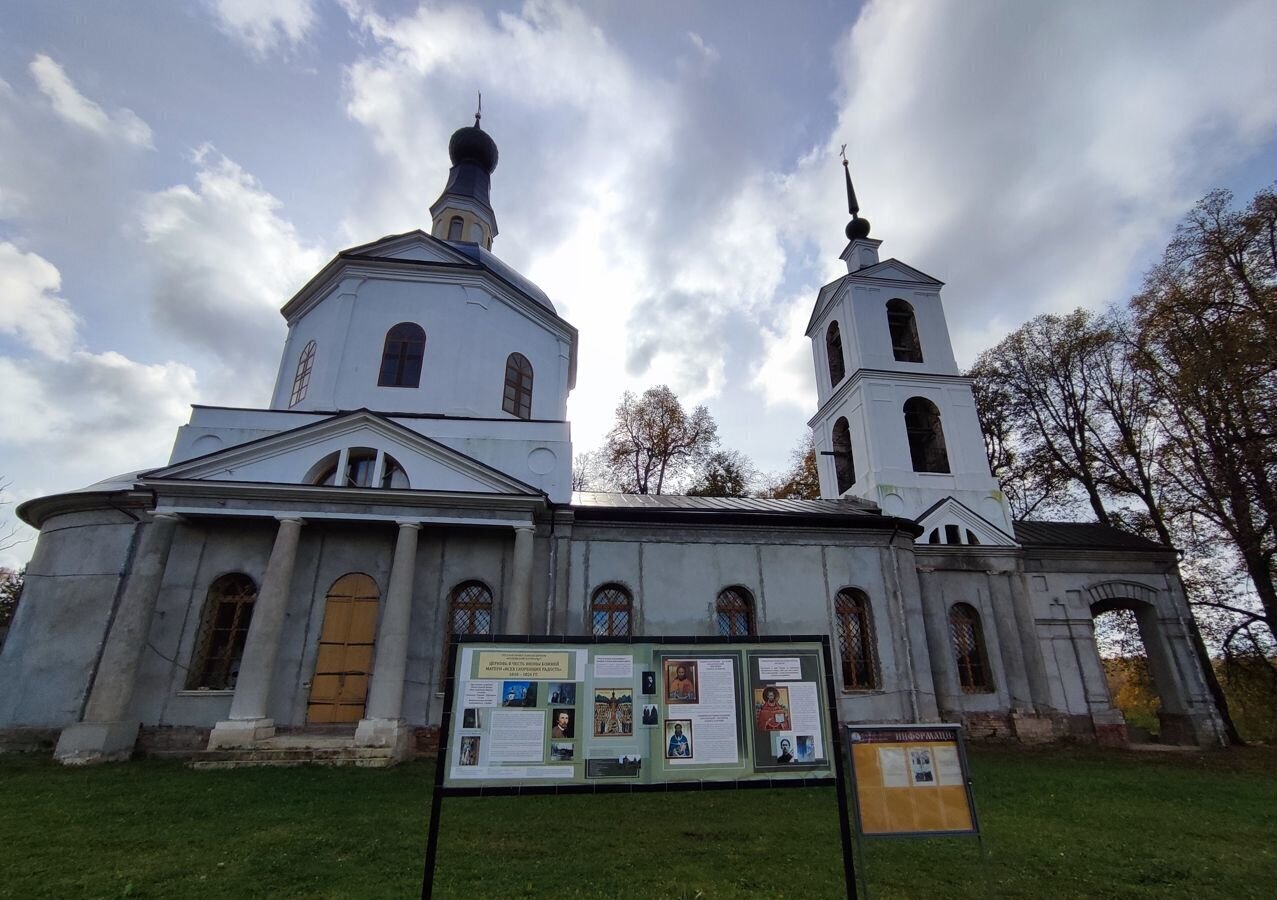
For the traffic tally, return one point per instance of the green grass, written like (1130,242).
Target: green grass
(1071,823)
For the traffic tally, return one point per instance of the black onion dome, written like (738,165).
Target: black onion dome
(857,228)
(472,144)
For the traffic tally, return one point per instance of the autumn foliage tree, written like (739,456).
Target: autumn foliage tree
(655,442)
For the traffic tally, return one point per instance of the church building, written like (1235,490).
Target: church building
(296,570)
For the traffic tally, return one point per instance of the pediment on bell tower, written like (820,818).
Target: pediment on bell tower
(950,521)
(895,271)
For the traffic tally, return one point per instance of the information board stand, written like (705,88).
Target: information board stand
(536,715)
(910,781)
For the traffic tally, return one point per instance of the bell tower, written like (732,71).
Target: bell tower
(463,211)
(895,420)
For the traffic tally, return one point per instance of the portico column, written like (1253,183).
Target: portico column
(383,725)
(248,721)
(518,618)
(107,733)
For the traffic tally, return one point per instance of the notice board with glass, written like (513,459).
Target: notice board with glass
(571,713)
(910,780)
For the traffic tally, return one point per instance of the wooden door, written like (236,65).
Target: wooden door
(344,663)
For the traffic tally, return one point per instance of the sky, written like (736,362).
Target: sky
(171,172)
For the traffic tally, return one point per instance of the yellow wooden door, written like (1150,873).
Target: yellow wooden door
(344,663)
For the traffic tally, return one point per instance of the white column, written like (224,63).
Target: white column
(383,725)
(106,732)
(248,721)
(518,618)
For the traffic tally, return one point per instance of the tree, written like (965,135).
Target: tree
(723,473)
(1036,404)
(655,441)
(589,472)
(10,592)
(1205,329)
(802,480)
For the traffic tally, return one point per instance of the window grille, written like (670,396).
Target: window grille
(734,612)
(968,648)
(610,611)
(855,640)
(228,610)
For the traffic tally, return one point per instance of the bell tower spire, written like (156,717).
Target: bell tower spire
(463,211)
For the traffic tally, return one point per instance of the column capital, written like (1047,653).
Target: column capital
(528,527)
(408,523)
(290,520)
(167,516)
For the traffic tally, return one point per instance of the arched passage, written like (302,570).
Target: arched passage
(1136,654)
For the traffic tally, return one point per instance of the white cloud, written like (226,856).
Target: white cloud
(1040,172)
(74,416)
(708,53)
(223,262)
(32,309)
(264,25)
(76,109)
(783,373)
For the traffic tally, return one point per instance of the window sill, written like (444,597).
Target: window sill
(198,693)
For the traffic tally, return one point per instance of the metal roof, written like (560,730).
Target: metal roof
(1082,535)
(723,504)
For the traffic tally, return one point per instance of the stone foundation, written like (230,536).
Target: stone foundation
(28,740)
(425,741)
(168,741)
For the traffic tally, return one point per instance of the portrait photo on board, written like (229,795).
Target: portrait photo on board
(470,717)
(563,692)
(771,708)
(651,716)
(681,684)
(678,739)
(649,683)
(805,748)
(783,747)
(613,712)
(563,723)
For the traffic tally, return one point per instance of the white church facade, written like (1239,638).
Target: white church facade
(299,568)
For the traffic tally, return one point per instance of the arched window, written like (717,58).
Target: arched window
(855,640)
(904,332)
(926,437)
(456,229)
(228,610)
(359,468)
(301,381)
(470,609)
(844,462)
(833,349)
(734,612)
(517,399)
(402,355)
(968,648)
(610,611)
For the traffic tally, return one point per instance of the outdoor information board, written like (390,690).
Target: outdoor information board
(910,780)
(555,714)
(637,712)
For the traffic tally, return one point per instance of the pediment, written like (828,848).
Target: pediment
(413,245)
(298,456)
(939,520)
(895,270)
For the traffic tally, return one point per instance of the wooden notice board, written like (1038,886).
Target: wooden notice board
(910,780)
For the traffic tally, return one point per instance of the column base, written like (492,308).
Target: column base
(231,733)
(392,733)
(87,743)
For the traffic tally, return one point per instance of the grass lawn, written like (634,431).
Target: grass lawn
(1075,823)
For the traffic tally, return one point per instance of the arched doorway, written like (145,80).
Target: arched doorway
(1142,679)
(344,662)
